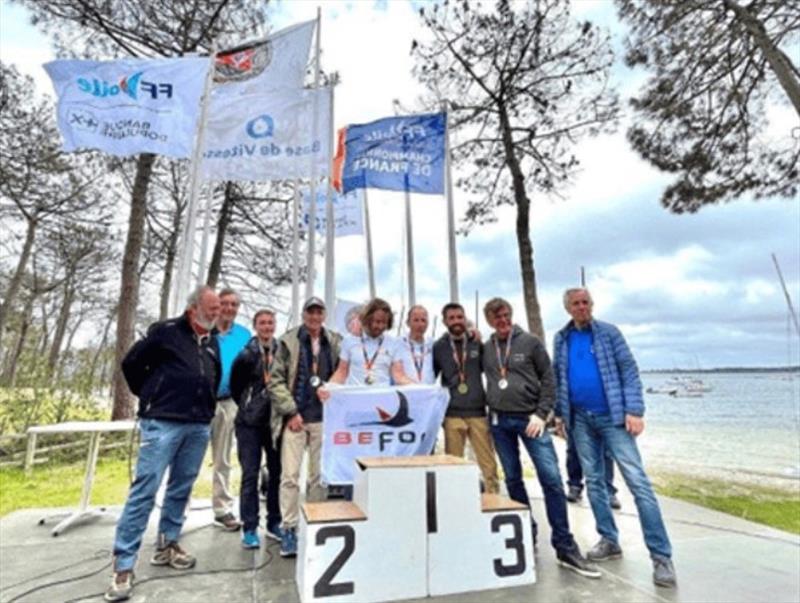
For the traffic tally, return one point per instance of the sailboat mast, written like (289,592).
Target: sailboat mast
(792,313)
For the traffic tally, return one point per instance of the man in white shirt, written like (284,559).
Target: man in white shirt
(374,358)
(418,349)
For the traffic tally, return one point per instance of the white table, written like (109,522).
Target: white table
(95,429)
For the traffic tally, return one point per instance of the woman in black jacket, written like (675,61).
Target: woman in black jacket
(250,377)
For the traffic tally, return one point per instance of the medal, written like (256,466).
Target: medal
(315,381)
(369,362)
(419,361)
(369,379)
(503,383)
(502,363)
(461,364)
(463,388)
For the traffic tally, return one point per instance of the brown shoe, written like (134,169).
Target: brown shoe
(227,522)
(171,554)
(121,586)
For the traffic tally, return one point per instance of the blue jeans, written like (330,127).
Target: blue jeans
(507,431)
(179,446)
(575,472)
(592,432)
(250,441)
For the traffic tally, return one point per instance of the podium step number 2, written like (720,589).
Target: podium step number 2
(417,526)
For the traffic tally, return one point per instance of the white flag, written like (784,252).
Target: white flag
(129,106)
(280,61)
(269,136)
(378,421)
(347,212)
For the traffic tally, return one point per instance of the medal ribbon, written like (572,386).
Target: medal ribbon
(368,362)
(419,362)
(267,359)
(502,364)
(461,362)
(315,356)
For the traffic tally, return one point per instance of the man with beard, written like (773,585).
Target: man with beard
(175,372)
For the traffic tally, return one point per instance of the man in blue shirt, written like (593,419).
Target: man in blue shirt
(599,399)
(232,338)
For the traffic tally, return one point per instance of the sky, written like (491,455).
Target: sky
(687,291)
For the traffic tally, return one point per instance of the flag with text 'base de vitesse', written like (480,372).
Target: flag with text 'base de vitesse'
(269,136)
(378,421)
(395,153)
(129,106)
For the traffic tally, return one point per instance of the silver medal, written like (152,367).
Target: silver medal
(315,381)
(370,379)
(502,384)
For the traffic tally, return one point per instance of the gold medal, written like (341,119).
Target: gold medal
(463,388)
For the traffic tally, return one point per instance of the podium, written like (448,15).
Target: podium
(417,526)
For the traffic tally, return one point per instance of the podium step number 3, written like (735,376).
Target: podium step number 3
(417,526)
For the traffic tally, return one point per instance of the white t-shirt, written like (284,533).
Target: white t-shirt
(385,350)
(418,355)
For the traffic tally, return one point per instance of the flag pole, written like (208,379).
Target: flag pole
(294,317)
(330,225)
(201,274)
(370,260)
(412,293)
(451,221)
(187,251)
(312,210)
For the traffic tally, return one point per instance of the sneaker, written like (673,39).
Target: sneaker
(664,572)
(289,543)
(573,560)
(614,502)
(274,532)
(227,522)
(121,586)
(250,540)
(604,550)
(574,494)
(171,554)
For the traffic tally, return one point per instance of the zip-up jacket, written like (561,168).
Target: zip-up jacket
(617,367)
(473,403)
(530,376)
(285,371)
(174,372)
(248,389)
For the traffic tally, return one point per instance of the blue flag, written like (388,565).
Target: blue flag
(394,153)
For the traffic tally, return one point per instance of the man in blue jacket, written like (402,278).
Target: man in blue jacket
(175,372)
(599,399)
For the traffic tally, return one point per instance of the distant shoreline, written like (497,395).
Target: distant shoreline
(729,369)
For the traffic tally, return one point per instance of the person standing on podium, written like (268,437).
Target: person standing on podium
(521,395)
(457,357)
(417,348)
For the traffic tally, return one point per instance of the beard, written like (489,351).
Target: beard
(202,320)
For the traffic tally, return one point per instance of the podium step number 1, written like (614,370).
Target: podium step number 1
(418,526)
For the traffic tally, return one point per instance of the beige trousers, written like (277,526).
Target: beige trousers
(222,430)
(456,432)
(292,449)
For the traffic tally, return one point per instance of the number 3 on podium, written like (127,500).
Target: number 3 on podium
(515,543)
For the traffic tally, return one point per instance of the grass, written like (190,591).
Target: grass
(60,485)
(770,506)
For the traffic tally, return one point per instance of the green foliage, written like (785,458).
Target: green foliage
(25,406)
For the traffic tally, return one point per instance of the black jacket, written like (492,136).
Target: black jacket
(174,372)
(473,403)
(248,389)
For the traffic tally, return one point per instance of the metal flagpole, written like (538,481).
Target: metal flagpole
(187,251)
(294,317)
(412,292)
(368,237)
(312,210)
(201,274)
(330,228)
(451,220)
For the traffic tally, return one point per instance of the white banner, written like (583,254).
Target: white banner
(129,106)
(280,61)
(260,137)
(378,421)
(347,212)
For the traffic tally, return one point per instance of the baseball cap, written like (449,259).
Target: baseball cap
(313,301)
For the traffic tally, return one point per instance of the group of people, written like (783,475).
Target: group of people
(202,377)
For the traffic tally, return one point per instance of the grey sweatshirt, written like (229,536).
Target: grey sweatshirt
(531,387)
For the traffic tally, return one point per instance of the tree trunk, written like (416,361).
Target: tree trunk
(129,289)
(100,349)
(222,226)
(169,264)
(61,326)
(10,371)
(62,359)
(16,280)
(532,308)
(777,60)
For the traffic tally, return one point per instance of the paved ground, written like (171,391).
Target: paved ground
(718,558)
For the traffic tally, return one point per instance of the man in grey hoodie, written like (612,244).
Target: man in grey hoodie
(521,395)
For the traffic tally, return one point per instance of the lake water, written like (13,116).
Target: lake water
(746,428)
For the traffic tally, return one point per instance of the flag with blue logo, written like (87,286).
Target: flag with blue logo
(347,212)
(268,136)
(395,153)
(129,106)
(378,421)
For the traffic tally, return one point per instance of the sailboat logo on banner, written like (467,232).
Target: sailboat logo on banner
(400,418)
